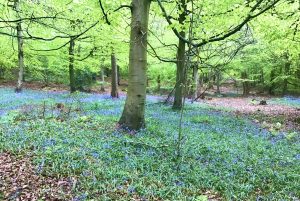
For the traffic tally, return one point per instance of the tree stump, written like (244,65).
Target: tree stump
(263,102)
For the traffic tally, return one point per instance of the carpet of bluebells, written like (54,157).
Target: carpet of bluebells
(287,100)
(221,153)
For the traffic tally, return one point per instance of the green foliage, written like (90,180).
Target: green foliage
(84,79)
(274,35)
(201,198)
(201,119)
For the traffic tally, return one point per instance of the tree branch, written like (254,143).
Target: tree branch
(104,13)
(74,37)
(223,36)
(123,6)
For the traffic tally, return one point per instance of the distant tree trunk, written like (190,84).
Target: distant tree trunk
(272,85)
(218,81)
(262,77)
(1,73)
(133,116)
(196,81)
(286,73)
(205,78)
(107,72)
(24,73)
(200,83)
(246,88)
(45,74)
(102,80)
(298,67)
(114,77)
(20,51)
(71,65)
(180,72)
(210,78)
(158,83)
(119,76)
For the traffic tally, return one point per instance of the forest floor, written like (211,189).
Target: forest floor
(57,146)
(284,111)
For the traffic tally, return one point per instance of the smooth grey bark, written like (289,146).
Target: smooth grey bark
(180,75)
(180,71)
(133,116)
(71,65)
(20,50)
(114,77)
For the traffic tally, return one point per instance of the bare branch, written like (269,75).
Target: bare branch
(123,6)
(104,13)
(74,37)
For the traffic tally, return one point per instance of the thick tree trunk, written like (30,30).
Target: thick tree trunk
(71,65)
(133,116)
(180,73)
(114,77)
(20,51)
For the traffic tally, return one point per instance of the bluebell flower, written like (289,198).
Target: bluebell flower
(40,167)
(95,155)
(131,189)
(120,187)
(297,157)
(80,197)
(179,183)
(106,146)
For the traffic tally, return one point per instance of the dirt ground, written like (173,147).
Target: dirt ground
(270,113)
(289,116)
(20,180)
(62,87)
